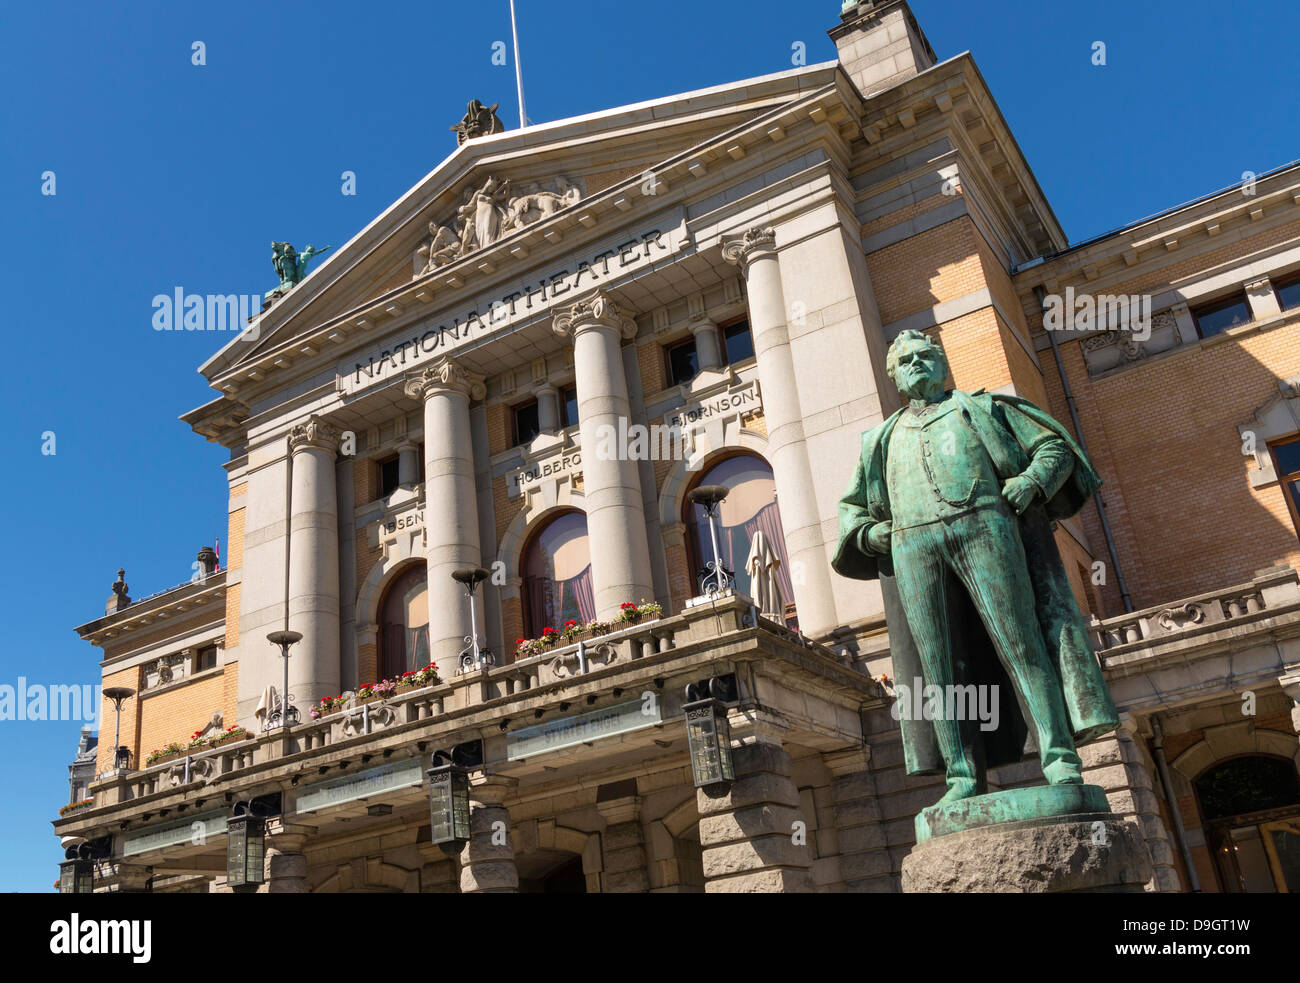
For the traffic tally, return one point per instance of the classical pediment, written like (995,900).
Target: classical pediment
(502,202)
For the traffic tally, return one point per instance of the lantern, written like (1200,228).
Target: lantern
(449,806)
(245,852)
(709,736)
(77,877)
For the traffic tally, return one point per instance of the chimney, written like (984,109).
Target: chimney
(207,561)
(119,601)
(881,44)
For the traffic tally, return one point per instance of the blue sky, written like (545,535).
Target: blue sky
(174,175)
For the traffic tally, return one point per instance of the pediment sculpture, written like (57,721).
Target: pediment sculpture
(489,213)
(479,121)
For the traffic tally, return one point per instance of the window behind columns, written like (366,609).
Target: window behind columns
(1288,292)
(527,422)
(557,575)
(750,509)
(737,342)
(404,623)
(569,407)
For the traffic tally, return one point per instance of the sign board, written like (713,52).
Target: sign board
(197,829)
(594,725)
(620,257)
(362,785)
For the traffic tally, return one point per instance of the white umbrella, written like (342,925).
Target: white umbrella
(269,703)
(764,584)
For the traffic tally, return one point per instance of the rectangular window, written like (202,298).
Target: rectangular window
(1286,461)
(389,473)
(527,423)
(569,407)
(739,342)
(683,363)
(1288,293)
(1220,315)
(205,658)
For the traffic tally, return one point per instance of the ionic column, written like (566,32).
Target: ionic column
(487,862)
(449,491)
(755,253)
(548,409)
(620,552)
(314,563)
(408,465)
(708,346)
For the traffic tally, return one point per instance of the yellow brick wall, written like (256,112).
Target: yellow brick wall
(129,678)
(175,713)
(927,269)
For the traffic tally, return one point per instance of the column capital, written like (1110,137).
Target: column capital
(741,250)
(448,375)
(491,790)
(315,434)
(595,310)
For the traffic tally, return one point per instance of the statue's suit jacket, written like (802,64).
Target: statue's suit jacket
(1091,710)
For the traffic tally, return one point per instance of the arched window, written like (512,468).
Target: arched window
(404,624)
(1251,808)
(557,576)
(750,508)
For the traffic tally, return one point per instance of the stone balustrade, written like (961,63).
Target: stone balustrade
(1270,592)
(728,622)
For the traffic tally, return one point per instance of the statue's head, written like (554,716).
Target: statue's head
(917,365)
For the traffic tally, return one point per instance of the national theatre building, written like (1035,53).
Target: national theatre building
(534,490)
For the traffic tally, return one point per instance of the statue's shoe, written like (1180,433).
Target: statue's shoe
(958,789)
(1063,773)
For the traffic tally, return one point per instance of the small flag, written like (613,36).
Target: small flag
(217,549)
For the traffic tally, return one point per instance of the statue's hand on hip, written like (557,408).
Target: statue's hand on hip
(879,537)
(1019,492)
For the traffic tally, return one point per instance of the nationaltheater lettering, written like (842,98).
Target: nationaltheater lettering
(399,357)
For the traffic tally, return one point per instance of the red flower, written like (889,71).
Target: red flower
(627,606)
(570,624)
(520,641)
(548,631)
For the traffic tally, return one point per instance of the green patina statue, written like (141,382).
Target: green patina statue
(290,266)
(951,509)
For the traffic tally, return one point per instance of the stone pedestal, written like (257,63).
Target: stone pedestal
(1055,839)
(487,863)
(747,828)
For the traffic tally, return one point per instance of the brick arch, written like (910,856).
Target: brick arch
(1233,744)
(539,511)
(672,497)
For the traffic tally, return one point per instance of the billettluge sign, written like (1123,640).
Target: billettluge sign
(195,830)
(618,258)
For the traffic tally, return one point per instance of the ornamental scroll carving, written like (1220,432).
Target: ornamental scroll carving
(489,213)
(315,433)
(448,375)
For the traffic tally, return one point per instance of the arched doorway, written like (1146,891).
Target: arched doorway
(404,623)
(551,872)
(557,575)
(1251,811)
(750,508)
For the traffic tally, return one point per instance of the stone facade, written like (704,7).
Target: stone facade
(829,209)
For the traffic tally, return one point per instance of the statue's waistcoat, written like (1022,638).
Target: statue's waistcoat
(937,467)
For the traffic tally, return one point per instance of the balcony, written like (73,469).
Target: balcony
(659,656)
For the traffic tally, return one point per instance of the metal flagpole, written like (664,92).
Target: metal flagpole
(519,69)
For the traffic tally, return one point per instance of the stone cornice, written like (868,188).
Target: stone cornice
(180,601)
(447,376)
